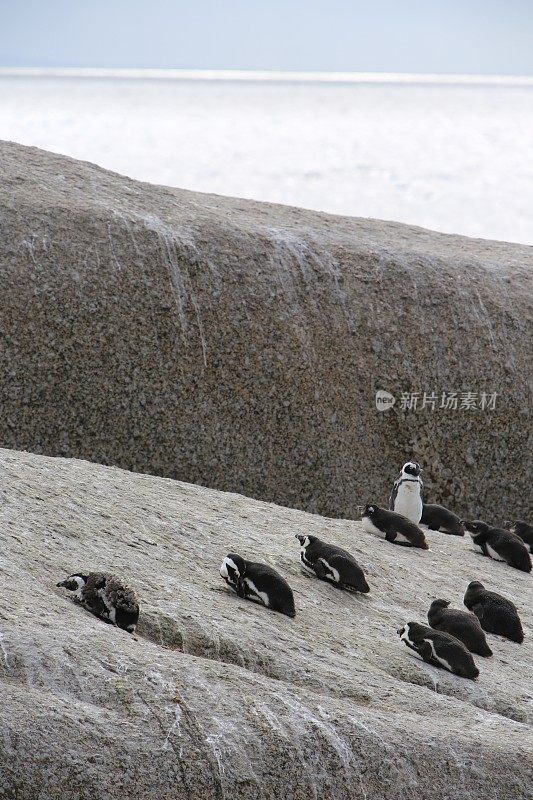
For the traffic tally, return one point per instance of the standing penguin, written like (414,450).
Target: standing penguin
(393,527)
(461,624)
(525,531)
(439,649)
(406,496)
(499,544)
(495,613)
(105,596)
(259,583)
(331,563)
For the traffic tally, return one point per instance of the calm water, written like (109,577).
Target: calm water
(452,158)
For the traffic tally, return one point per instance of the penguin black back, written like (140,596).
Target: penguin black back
(496,613)
(461,624)
(393,527)
(332,563)
(438,518)
(525,532)
(439,649)
(499,544)
(258,582)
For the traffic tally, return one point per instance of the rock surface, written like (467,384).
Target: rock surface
(219,698)
(240,345)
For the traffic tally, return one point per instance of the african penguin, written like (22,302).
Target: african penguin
(495,613)
(439,649)
(105,596)
(331,563)
(461,624)
(393,527)
(406,496)
(499,544)
(438,518)
(525,531)
(258,582)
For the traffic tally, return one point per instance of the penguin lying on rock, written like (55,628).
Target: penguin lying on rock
(393,527)
(525,531)
(495,613)
(461,624)
(439,649)
(105,596)
(258,582)
(331,563)
(438,518)
(406,496)
(499,544)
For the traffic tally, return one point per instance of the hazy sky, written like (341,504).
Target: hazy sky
(458,36)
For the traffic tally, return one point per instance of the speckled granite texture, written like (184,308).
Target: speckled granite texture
(239,345)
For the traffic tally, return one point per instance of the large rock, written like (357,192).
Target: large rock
(220,698)
(240,345)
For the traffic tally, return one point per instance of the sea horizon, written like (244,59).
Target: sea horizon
(451,153)
(284,76)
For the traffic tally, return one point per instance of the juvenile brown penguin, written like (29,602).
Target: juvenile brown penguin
(495,613)
(105,596)
(438,518)
(499,544)
(393,527)
(461,624)
(439,649)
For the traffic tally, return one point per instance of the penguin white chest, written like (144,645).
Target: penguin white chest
(369,526)
(408,501)
(493,554)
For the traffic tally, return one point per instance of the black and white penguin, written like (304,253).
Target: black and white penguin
(393,527)
(495,613)
(525,532)
(499,544)
(258,582)
(406,496)
(105,596)
(331,563)
(461,624)
(438,518)
(439,649)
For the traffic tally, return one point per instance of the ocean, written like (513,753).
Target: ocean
(452,154)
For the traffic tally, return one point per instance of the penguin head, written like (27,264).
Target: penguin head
(233,567)
(74,582)
(439,603)
(475,586)
(474,591)
(412,468)
(475,527)
(405,632)
(305,541)
(370,509)
(409,631)
(519,527)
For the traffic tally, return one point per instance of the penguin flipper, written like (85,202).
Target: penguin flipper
(394,494)
(320,569)
(425,650)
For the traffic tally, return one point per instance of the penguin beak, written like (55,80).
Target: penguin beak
(400,631)
(61,583)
